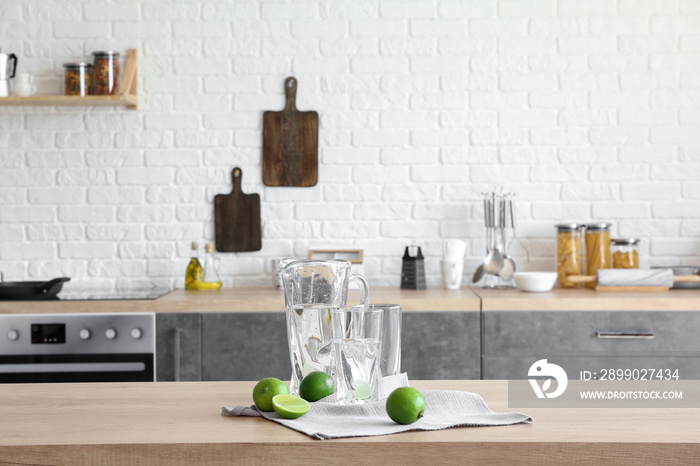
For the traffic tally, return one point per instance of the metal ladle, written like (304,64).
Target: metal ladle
(515,234)
(508,269)
(479,272)
(494,259)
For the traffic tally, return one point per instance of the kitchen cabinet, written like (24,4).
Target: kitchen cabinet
(253,345)
(245,346)
(178,347)
(594,341)
(127,95)
(446,333)
(440,345)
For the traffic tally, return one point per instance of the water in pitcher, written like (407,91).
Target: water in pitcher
(309,333)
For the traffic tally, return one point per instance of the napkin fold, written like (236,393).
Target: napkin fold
(444,409)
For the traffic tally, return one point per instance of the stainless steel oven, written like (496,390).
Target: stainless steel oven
(85,347)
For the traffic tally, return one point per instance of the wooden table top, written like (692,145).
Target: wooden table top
(169,423)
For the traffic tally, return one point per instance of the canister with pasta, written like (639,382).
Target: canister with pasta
(569,252)
(625,253)
(597,249)
(78,78)
(106,69)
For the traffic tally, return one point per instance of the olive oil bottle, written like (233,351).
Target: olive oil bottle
(211,280)
(194,273)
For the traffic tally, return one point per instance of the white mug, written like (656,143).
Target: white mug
(24,85)
(452,274)
(453,250)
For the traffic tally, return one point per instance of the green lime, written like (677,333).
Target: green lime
(265,390)
(290,406)
(405,405)
(363,391)
(316,385)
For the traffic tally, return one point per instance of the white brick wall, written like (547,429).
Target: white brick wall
(587,110)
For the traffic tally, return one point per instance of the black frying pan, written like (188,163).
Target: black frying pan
(32,290)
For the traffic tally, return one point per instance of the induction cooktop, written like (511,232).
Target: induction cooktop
(109,295)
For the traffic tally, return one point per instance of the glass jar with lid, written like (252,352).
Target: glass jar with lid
(106,70)
(597,249)
(569,252)
(625,253)
(77,78)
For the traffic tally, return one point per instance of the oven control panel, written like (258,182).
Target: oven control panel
(87,333)
(48,333)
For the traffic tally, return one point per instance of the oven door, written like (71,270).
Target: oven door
(77,347)
(77,368)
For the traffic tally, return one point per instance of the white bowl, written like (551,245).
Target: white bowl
(536,282)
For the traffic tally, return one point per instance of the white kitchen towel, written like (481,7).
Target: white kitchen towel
(444,409)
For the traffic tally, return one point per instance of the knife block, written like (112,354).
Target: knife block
(413,271)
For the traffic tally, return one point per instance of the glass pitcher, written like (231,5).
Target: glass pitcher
(312,288)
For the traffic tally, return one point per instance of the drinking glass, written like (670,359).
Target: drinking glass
(390,344)
(356,352)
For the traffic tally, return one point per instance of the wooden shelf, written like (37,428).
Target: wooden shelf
(127,96)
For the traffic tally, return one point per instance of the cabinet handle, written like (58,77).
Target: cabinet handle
(176,353)
(625,336)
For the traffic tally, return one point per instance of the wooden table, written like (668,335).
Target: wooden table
(180,423)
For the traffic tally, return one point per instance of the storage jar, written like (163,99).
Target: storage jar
(597,249)
(106,71)
(569,252)
(78,78)
(625,253)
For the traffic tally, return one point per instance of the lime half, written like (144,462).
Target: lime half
(290,406)
(363,391)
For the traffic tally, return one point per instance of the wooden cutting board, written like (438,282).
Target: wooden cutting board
(237,218)
(290,143)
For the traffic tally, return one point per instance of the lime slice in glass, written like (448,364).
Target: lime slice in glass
(290,406)
(307,368)
(363,391)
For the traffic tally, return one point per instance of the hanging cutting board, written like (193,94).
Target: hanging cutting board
(290,143)
(237,218)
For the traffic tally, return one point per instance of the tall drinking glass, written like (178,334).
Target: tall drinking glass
(312,289)
(356,350)
(390,353)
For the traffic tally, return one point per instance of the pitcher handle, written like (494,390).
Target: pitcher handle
(14,68)
(364,288)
